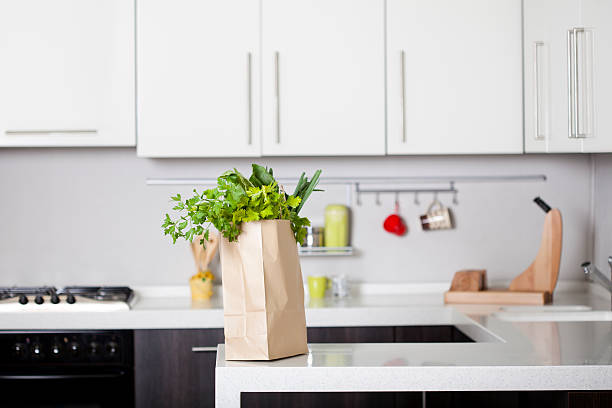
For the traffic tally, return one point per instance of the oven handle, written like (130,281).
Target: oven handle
(61,376)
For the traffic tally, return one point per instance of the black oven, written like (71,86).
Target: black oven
(67,369)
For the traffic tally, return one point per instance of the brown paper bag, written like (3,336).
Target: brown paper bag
(263,293)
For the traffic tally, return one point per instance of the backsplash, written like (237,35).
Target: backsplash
(85,216)
(603,206)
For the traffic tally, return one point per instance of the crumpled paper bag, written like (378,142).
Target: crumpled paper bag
(263,293)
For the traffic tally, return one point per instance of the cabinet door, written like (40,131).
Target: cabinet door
(547,91)
(323,78)
(328,399)
(595,58)
(454,76)
(169,374)
(198,76)
(67,73)
(497,399)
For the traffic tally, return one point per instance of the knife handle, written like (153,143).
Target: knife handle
(542,204)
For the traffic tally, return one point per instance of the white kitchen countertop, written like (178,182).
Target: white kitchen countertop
(506,355)
(170,307)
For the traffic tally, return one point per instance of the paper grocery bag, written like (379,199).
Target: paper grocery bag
(263,293)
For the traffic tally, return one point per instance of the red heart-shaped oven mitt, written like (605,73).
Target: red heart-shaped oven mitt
(395,225)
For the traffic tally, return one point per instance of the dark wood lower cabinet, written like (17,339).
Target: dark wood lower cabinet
(502,399)
(387,334)
(430,334)
(318,399)
(519,399)
(168,374)
(382,334)
(579,399)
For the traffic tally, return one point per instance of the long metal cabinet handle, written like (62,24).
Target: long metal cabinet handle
(536,67)
(49,132)
(570,85)
(249,99)
(573,79)
(403,92)
(203,349)
(277,96)
(577,100)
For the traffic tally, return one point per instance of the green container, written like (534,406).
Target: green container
(317,285)
(336,230)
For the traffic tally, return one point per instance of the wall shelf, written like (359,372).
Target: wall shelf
(325,251)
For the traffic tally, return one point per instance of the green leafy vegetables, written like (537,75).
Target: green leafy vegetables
(237,199)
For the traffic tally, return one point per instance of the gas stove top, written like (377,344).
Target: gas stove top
(69,298)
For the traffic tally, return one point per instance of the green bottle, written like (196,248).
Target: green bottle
(336,226)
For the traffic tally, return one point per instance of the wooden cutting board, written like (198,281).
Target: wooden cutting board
(498,297)
(534,286)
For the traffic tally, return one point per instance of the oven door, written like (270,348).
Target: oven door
(83,388)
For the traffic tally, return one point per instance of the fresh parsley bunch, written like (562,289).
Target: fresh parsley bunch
(237,199)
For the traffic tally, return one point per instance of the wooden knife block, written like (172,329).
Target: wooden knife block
(534,286)
(542,274)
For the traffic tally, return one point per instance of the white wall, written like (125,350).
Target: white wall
(603,210)
(85,216)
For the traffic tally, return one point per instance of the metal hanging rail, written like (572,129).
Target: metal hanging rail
(360,190)
(364,180)
(397,191)
(354,184)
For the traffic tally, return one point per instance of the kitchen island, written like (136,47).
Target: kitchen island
(510,352)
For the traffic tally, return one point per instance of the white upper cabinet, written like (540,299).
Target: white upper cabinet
(454,77)
(67,73)
(568,85)
(198,78)
(323,77)
(594,67)
(546,86)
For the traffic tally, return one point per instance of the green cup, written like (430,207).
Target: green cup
(317,286)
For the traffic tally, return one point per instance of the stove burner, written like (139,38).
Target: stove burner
(116,293)
(23,292)
(101,293)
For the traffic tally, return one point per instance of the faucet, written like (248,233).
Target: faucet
(592,274)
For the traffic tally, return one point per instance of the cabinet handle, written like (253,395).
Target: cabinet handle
(249,99)
(582,123)
(536,67)
(49,132)
(576,89)
(277,96)
(204,349)
(403,92)
(570,84)
(573,79)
